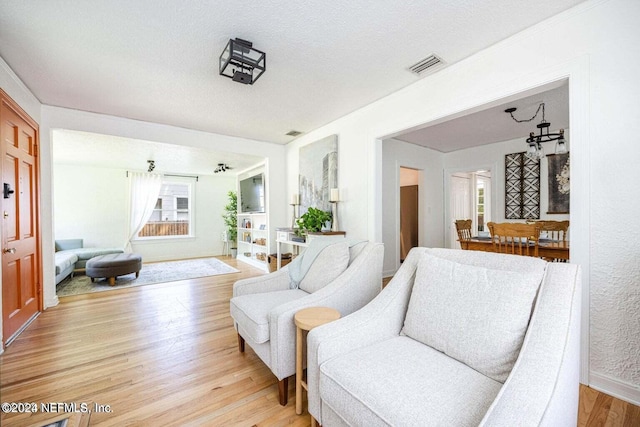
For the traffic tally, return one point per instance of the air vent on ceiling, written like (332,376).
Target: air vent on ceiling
(426,64)
(293,133)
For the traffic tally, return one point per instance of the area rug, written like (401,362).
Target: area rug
(157,272)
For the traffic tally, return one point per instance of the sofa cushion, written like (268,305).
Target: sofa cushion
(64,260)
(66,244)
(251,311)
(330,263)
(476,315)
(403,382)
(492,260)
(88,253)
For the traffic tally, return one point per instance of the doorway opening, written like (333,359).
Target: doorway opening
(470,199)
(409,214)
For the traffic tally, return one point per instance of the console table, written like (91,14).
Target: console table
(283,236)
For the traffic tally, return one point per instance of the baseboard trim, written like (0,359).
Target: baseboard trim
(616,388)
(51,302)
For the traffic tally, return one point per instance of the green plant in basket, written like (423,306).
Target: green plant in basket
(312,221)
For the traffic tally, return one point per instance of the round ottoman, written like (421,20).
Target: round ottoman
(113,265)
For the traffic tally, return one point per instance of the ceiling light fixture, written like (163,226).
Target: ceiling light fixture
(535,141)
(222,167)
(152,165)
(241,62)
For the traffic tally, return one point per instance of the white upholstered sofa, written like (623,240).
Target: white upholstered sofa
(457,338)
(344,276)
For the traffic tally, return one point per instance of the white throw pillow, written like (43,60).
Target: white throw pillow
(476,315)
(328,265)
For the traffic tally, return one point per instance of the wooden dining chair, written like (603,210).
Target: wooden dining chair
(556,230)
(463,227)
(515,238)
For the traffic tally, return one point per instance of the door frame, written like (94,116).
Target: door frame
(448,226)
(7,100)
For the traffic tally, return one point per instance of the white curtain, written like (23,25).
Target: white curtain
(145,189)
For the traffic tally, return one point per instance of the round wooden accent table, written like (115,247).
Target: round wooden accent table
(305,320)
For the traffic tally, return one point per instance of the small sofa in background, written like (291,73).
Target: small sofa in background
(72,256)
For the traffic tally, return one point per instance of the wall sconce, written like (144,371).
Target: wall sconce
(152,165)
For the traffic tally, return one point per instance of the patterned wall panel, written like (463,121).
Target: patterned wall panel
(522,187)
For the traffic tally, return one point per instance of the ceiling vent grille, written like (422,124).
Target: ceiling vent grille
(426,64)
(293,133)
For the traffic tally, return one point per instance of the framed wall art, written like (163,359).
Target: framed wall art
(522,187)
(558,181)
(318,173)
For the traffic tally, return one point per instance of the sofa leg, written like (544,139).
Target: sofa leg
(240,344)
(283,391)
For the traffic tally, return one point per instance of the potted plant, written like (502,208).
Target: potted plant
(313,220)
(230,217)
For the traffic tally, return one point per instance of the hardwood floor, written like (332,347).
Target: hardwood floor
(167,355)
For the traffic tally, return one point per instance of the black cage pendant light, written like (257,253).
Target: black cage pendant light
(535,150)
(241,62)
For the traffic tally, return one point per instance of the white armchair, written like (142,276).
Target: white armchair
(342,277)
(373,367)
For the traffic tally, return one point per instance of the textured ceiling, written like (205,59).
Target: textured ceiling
(93,150)
(494,125)
(157,60)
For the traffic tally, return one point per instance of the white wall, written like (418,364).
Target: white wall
(594,45)
(354,162)
(92,203)
(409,177)
(13,86)
(428,163)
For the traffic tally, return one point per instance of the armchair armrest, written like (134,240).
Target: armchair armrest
(547,368)
(379,320)
(354,288)
(276,281)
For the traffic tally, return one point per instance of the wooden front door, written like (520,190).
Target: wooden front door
(21,275)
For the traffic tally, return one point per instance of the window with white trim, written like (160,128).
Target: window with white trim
(172,214)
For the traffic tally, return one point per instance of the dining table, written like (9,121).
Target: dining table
(547,248)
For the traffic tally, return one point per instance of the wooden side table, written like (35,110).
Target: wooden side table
(305,320)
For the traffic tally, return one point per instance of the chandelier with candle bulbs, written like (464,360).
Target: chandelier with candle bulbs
(535,142)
